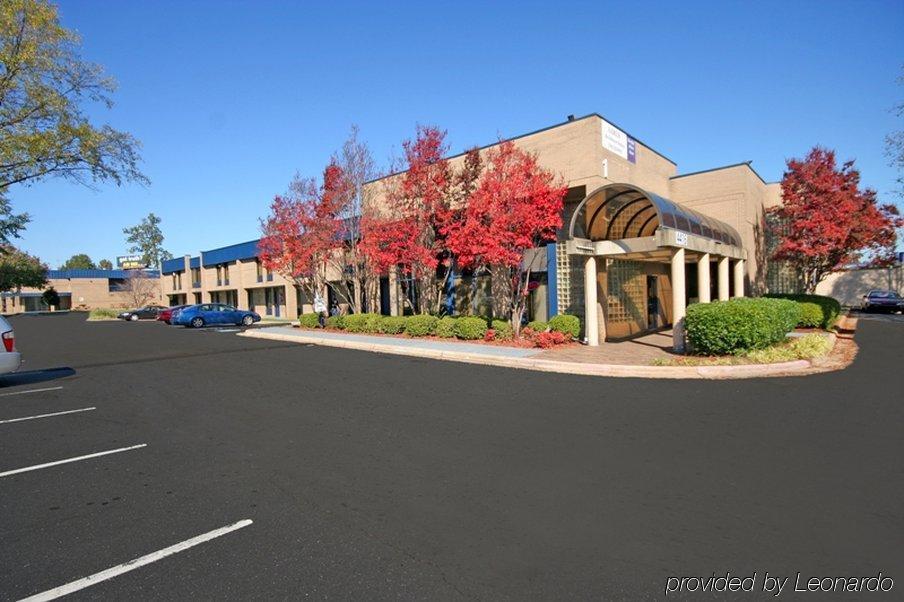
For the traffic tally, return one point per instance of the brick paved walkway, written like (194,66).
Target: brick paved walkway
(640,351)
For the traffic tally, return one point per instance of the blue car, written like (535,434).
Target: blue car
(205,314)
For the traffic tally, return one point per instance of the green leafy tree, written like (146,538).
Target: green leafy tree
(18,270)
(147,238)
(44,130)
(79,262)
(105,264)
(51,298)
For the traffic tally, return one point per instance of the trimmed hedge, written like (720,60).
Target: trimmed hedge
(309,320)
(810,315)
(421,325)
(502,329)
(829,307)
(470,328)
(738,325)
(336,322)
(538,325)
(392,324)
(566,324)
(362,322)
(445,328)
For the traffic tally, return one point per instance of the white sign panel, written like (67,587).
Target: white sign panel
(681,238)
(618,142)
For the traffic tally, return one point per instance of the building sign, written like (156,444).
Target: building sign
(681,238)
(129,262)
(618,142)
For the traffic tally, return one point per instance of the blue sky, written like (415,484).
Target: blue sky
(230,99)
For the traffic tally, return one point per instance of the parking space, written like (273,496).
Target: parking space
(368,476)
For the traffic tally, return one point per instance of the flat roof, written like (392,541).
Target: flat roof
(550,127)
(746,164)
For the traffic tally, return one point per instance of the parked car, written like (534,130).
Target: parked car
(148,312)
(166,315)
(205,314)
(879,300)
(10,359)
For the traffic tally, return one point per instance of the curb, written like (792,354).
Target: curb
(796,367)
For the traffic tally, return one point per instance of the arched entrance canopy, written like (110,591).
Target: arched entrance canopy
(620,211)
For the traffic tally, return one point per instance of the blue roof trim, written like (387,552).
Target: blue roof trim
(70,274)
(176,264)
(242,250)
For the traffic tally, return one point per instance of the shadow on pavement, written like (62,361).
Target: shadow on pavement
(30,377)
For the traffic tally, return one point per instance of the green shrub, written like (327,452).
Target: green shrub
(538,325)
(801,348)
(739,325)
(309,320)
(363,323)
(470,328)
(810,315)
(392,324)
(445,328)
(829,307)
(103,313)
(336,322)
(502,329)
(566,324)
(421,325)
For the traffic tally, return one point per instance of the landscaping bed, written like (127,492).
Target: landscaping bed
(561,330)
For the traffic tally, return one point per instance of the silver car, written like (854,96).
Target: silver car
(10,359)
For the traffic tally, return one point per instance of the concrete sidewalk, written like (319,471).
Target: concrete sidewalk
(579,362)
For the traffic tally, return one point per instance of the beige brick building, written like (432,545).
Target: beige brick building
(85,289)
(710,224)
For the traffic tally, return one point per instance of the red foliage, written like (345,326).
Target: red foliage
(302,229)
(516,206)
(490,335)
(826,221)
(418,200)
(545,340)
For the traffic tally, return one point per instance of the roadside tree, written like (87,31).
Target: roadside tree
(141,288)
(146,238)
(19,270)
(78,262)
(826,221)
(45,87)
(516,207)
(299,236)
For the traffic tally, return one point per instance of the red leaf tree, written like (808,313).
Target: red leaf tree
(516,206)
(826,221)
(300,234)
(410,231)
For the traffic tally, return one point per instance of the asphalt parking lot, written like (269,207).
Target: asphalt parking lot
(329,473)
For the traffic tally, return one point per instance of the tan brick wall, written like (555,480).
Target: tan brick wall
(736,196)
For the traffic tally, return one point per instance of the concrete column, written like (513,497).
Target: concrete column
(723,278)
(394,305)
(739,278)
(678,297)
(591,326)
(703,278)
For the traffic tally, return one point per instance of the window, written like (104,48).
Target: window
(196,277)
(260,270)
(177,281)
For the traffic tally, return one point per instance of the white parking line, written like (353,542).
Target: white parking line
(46,415)
(30,391)
(131,565)
(66,461)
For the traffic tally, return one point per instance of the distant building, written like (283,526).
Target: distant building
(81,289)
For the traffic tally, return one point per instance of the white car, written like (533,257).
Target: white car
(10,359)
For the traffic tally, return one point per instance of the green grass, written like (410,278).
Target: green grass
(103,313)
(807,347)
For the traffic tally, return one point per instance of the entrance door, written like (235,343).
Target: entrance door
(384,296)
(277,301)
